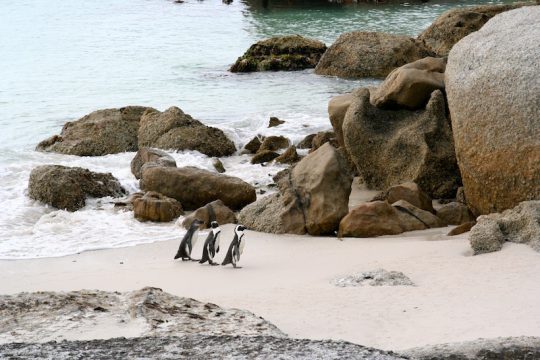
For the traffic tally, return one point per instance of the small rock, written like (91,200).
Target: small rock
(290,156)
(254,144)
(274,143)
(460,195)
(411,193)
(292,52)
(322,138)
(370,219)
(274,121)
(427,218)
(379,277)
(306,142)
(454,213)
(153,206)
(150,157)
(218,165)
(264,156)
(461,229)
(214,211)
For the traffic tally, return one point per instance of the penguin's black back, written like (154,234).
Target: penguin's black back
(232,248)
(207,244)
(181,253)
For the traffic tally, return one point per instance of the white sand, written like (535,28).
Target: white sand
(286,279)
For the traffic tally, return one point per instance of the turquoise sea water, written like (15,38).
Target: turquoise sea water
(60,60)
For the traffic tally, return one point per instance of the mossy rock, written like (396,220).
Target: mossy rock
(292,52)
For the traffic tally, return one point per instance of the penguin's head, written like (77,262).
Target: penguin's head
(240,228)
(197,222)
(214,224)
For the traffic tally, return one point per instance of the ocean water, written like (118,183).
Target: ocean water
(60,60)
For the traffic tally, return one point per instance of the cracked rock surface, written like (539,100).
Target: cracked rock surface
(92,314)
(196,347)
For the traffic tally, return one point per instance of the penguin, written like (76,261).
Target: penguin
(211,245)
(237,246)
(188,242)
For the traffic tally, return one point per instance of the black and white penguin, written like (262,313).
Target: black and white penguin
(211,245)
(237,246)
(188,242)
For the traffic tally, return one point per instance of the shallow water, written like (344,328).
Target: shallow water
(63,59)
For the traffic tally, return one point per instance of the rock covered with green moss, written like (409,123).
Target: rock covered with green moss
(291,52)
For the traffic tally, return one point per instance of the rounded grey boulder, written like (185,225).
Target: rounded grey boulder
(493,85)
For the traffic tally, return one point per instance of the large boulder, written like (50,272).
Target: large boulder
(101,132)
(493,86)
(411,85)
(153,206)
(390,147)
(195,187)
(173,129)
(369,54)
(455,24)
(321,185)
(68,187)
(150,157)
(520,225)
(214,211)
(312,198)
(292,52)
(271,214)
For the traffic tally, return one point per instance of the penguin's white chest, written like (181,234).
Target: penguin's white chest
(241,245)
(194,238)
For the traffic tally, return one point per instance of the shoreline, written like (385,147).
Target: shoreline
(293,290)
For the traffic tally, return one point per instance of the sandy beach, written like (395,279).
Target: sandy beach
(287,280)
